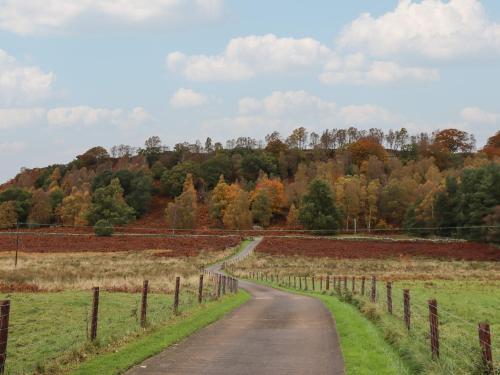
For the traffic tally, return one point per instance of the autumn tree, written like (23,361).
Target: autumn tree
(275,191)
(262,207)
(41,211)
(237,214)
(362,149)
(183,213)
(298,138)
(292,219)
(74,208)
(492,147)
(454,140)
(8,215)
(317,210)
(21,199)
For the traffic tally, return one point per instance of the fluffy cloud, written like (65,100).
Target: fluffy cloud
(479,116)
(72,116)
(87,116)
(187,98)
(9,147)
(18,117)
(34,16)
(355,69)
(431,28)
(245,57)
(20,83)
(285,110)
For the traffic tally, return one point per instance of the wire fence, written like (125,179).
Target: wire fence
(40,332)
(432,333)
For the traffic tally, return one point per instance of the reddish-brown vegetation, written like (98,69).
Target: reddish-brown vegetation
(65,242)
(378,249)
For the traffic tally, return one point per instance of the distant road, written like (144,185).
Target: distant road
(274,333)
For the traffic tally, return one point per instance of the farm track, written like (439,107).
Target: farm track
(274,333)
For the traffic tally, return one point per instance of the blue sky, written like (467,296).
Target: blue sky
(80,73)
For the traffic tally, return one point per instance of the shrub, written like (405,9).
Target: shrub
(103,228)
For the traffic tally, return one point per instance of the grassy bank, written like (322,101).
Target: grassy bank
(137,351)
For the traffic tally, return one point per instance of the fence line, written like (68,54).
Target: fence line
(473,356)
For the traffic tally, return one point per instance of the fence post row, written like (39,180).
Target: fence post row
(406,308)
(434,328)
(4,332)
(95,312)
(485,343)
(144,302)
(176,296)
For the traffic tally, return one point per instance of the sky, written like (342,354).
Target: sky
(80,73)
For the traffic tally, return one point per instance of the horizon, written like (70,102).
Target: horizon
(93,74)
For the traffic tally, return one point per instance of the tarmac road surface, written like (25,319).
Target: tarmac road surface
(274,333)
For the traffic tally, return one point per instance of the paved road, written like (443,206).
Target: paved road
(273,333)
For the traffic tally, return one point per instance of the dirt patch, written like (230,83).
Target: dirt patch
(61,242)
(378,249)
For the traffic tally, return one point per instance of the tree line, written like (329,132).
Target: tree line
(336,180)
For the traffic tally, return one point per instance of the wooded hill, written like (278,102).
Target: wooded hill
(337,180)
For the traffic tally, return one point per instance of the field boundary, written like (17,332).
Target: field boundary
(139,350)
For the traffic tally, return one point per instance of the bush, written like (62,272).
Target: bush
(103,228)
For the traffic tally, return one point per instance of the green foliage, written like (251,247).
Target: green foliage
(182,214)
(108,204)
(103,228)
(56,198)
(173,179)
(8,215)
(262,210)
(137,187)
(214,167)
(21,199)
(317,210)
(253,163)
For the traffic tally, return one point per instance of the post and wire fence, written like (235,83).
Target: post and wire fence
(100,317)
(435,333)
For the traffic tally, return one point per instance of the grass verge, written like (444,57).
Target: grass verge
(147,346)
(363,345)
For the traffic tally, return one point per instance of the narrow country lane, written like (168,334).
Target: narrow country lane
(274,333)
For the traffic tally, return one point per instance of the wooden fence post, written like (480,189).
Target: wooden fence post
(312,281)
(305,282)
(144,302)
(289,281)
(95,313)
(327,282)
(300,282)
(485,343)
(389,297)
(219,285)
(374,290)
(321,283)
(353,284)
(176,295)
(363,285)
(406,307)
(200,290)
(224,282)
(434,328)
(4,332)
(345,284)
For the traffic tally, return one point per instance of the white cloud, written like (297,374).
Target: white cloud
(431,28)
(245,57)
(480,116)
(88,116)
(355,69)
(8,147)
(34,16)
(187,98)
(285,110)
(17,117)
(20,83)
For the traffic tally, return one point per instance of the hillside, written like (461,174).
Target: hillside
(365,181)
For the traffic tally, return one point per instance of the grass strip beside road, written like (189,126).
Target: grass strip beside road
(363,346)
(147,346)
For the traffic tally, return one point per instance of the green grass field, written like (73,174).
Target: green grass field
(49,330)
